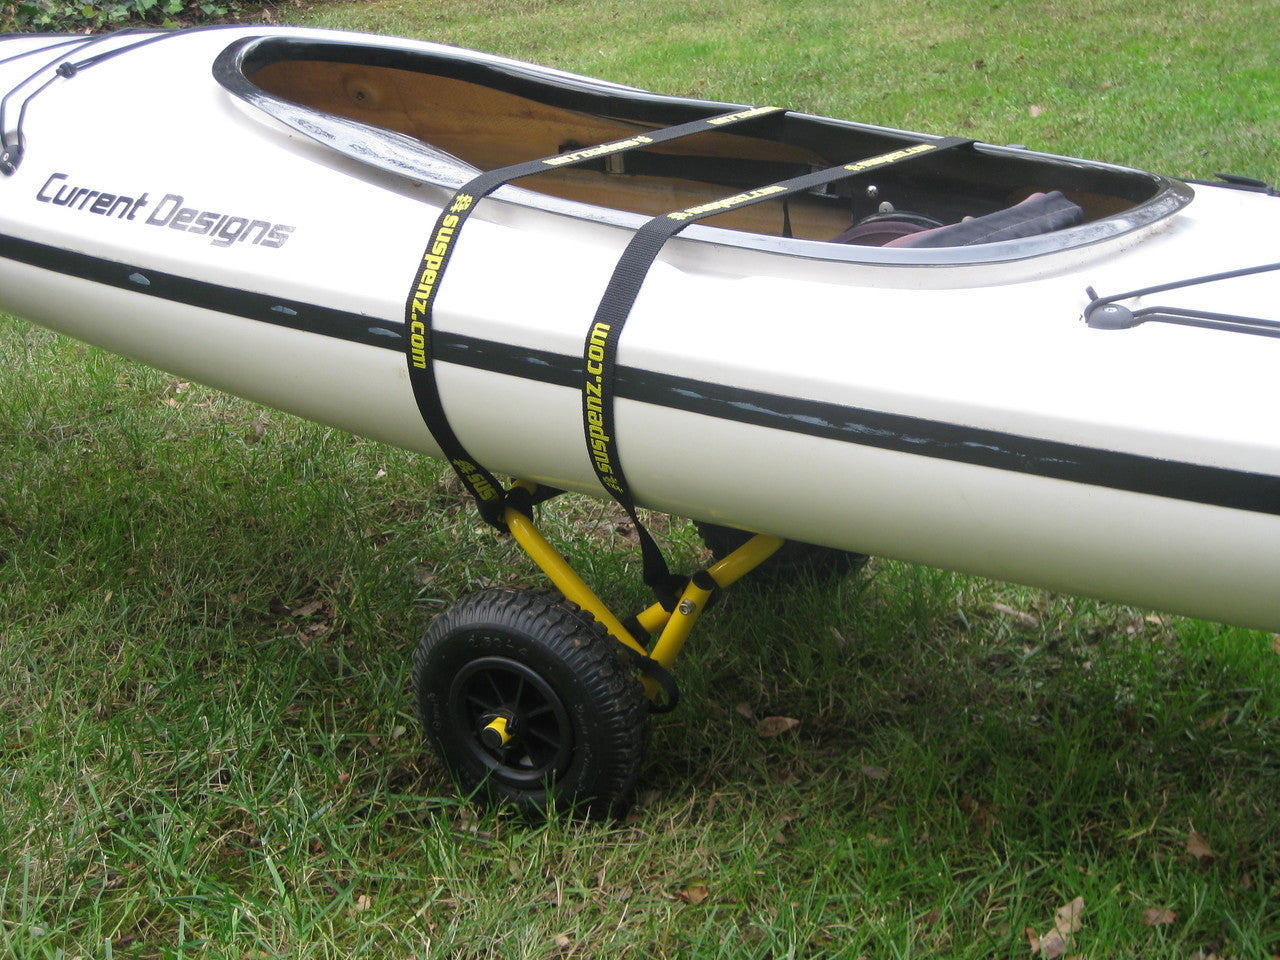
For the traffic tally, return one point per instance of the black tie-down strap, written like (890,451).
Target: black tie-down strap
(419,307)
(652,669)
(601,351)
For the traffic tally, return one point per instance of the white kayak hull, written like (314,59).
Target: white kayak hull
(959,414)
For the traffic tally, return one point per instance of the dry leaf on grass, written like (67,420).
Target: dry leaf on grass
(775,726)
(1052,945)
(1199,847)
(1022,618)
(1066,921)
(1157,917)
(307,609)
(1033,938)
(694,893)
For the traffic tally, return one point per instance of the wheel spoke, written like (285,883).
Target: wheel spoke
(485,706)
(552,739)
(518,697)
(494,686)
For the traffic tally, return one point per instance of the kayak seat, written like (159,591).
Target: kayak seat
(1039,214)
(880,229)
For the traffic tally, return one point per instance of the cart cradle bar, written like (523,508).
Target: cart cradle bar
(672,626)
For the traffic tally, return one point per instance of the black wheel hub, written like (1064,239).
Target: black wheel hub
(511,720)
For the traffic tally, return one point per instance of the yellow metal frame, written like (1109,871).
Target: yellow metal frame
(672,626)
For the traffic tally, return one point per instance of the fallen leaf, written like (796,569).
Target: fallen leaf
(875,773)
(1199,847)
(562,941)
(743,709)
(1275,644)
(1053,945)
(256,431)
(307,609)
(1067,919)
(1036,110)
(1156,917)
(694,893)
(775,726)
(1023,619)
(363,902)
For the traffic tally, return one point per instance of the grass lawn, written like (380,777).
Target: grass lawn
(208,611)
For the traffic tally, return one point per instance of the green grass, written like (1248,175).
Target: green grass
(207,612)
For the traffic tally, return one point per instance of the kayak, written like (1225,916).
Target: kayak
(1029,367)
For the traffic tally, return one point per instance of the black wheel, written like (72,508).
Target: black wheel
(793,559)
(526,701)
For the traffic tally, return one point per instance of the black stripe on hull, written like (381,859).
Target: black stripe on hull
(1170,479)
(309,317)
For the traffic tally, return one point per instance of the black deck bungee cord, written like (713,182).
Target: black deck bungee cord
(12,144)
(1106,313)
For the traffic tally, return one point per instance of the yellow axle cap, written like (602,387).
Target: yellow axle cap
(497,733)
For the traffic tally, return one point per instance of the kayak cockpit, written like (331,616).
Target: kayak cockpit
(472,112)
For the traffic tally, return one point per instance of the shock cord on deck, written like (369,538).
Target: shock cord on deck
(12,142)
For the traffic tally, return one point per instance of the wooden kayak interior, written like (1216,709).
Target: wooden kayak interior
(487,120)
